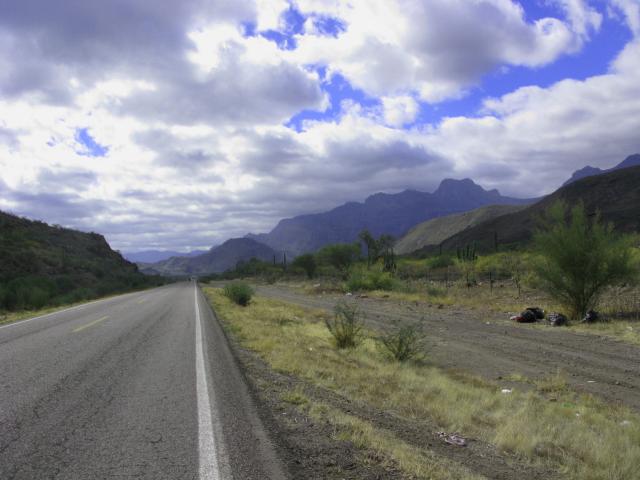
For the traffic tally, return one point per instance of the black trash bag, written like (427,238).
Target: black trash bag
(538,312)
(590,317)
(557,319)
(527,316)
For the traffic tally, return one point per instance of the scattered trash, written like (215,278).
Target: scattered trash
(506,390)
(348,294)
(363,295)
(591,381)
(625,423)
(556,319)
(538,312)
(590,317)
(316,285)
(453,439)
(527,316)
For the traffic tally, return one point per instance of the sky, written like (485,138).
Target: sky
(168,124)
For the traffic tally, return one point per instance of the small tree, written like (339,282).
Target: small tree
(306,262)
(466,261)
(373,250)
(514,265)
(341,256)
(385,245)
(579,258)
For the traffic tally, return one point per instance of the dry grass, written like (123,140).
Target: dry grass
(584,438)
(416,462)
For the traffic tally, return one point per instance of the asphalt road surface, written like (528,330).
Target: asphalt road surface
(137,386)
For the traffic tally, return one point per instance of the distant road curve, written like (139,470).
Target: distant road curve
(139,386)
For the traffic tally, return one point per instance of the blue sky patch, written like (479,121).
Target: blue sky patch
(91,147)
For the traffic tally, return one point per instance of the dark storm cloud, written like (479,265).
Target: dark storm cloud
(63,208)
(93,38)
(56,180)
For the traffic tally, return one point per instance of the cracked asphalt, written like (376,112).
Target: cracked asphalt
(109,390)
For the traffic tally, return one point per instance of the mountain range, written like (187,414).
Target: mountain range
(615,196)
(589,171)
(382,213)
(216,260)
(152,256)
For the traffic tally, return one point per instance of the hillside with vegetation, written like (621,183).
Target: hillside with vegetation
(44,265)
(433,232)
(615,196)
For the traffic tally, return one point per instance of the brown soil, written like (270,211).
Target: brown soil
(484,344)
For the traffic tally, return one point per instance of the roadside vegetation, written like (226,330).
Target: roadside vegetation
(239,293)
(50,266)
(574,265)
(548,425)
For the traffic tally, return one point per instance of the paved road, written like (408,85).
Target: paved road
(137,386)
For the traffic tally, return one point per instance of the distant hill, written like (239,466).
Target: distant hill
(153,256)
(216,260)
(392,214)
(434,231)
(616,195)
(589,171)
(42,264)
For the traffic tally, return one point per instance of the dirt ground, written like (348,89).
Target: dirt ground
(483,343)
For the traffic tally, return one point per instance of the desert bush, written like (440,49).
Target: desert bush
(441,261)
(403,342)
(346,325)
(340,256)
(374,279)
(579,258)
(307,263)
(239,293)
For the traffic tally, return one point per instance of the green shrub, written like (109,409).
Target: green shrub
(340,256)
(441,261)
(239,293)
(404,342)
(374,279)
(579,258)
(346,325)
(307,263)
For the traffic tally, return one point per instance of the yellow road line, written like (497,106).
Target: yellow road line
(79,329)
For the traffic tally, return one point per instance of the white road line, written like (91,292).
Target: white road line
(207,451)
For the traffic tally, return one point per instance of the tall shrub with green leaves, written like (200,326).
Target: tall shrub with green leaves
(579,257)
(341,256)
(306,262)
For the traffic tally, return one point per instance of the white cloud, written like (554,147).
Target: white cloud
(631,12)
(438,48)
(546,133)
(193,112)
(399,111)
